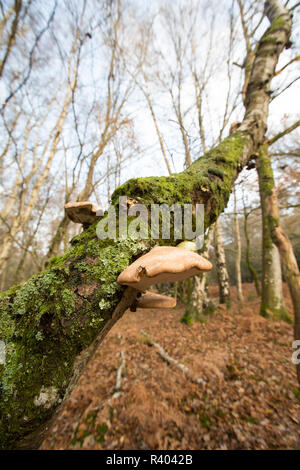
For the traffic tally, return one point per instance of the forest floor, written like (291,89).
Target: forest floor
(239,392)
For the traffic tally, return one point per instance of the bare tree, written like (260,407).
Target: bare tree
(111,119)
(29,186)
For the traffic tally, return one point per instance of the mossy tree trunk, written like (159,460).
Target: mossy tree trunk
(222,273)
(279,237)
(52,323)
(272,301)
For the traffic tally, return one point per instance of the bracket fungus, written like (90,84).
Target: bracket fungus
(84,213)
(163,264)
(153,300)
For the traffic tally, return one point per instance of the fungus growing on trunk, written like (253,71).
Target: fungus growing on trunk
(163,264)
(84,213)
(153,300)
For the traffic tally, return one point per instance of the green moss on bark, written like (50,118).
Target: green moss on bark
(47,321)
(268,311)
(269,36)
(272,303)
(208,180)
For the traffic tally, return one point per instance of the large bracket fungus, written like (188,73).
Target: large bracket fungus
(163,264)
(159,265)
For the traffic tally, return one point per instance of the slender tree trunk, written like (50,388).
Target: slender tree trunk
(248,257)
(222,273)
(52,323)
(200,297)
(3,280)
(158,133)
(279,237)
(238,255)
(26,207)
(112,123)
(198,301)
(12,34)
(56,240)
(272,301)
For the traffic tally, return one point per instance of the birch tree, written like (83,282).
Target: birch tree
(238,256)
(222,273)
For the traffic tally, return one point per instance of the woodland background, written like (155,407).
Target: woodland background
(93,93)
(96,92)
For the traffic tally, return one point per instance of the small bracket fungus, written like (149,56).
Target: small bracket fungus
(153,300)
(84,213)
(163,264)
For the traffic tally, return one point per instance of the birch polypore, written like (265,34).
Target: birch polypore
(153,300)
(163,264)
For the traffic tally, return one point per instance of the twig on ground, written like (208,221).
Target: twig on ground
(171,360)
(118,392)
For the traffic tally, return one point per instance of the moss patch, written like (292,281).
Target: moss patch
(47,321)
(208,181)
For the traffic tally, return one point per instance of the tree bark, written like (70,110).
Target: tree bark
(248,259)
(280,238)
(198,301)
(52,323)
(272,301)
(238,255)
(201,300)
(222,273)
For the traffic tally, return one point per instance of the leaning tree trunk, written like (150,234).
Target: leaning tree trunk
(52,323)
(238,255)
(222,273)
(279,237)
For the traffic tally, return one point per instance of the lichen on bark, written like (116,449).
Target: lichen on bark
(47,321)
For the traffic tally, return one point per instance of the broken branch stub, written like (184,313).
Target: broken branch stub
(163,264)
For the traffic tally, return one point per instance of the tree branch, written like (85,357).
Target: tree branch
(285,132)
